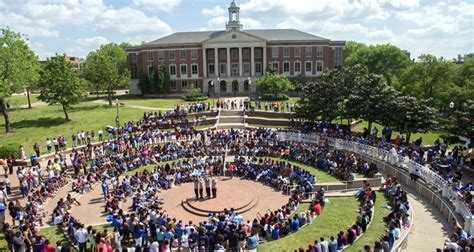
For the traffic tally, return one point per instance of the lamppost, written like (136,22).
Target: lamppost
(451,107)
(249,83)
(117,121)
(218,83)
(212,87)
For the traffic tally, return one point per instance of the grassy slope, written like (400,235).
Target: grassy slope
(338,214)
(34,125)
(321,176)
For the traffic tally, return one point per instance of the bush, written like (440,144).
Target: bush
(278,97)
(9,150)
(194,98)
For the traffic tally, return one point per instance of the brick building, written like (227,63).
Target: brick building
(228,62)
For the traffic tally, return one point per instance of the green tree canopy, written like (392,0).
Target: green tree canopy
(18,67)
(107,67)
(463,123)
(60,83)
(274,84)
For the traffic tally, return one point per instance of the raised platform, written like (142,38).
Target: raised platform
(202,207)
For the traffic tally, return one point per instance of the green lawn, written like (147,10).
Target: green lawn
(377,226)
(149,167)
(19,100)
(338,214)
(321,176)
(162,103)
(35,125)
(53,234)
(428,138)
(270,126)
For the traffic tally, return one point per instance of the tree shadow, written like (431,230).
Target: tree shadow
(44,122)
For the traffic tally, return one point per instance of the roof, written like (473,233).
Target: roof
(267,34)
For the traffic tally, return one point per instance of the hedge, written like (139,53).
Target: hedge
(9,150)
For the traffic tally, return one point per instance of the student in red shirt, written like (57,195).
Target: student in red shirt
(317,208)
(49,247)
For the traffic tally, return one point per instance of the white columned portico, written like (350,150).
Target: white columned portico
(240,61)
(228,61)
(264,67)
(252,61)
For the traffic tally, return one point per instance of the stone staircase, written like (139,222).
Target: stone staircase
(228,119)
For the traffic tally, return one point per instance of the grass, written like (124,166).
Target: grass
(53,234)
(19,100)
(270,126)
(338,214)
(149,167)
(377,226)
(162,103)
(321,176)
(35,125)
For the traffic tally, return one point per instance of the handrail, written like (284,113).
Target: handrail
(393,158)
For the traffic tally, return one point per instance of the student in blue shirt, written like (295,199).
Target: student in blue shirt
(275,233)
(295,225)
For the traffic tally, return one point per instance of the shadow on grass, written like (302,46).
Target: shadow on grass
(44,122)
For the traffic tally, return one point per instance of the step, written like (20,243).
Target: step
(189,206)
(230,125)
(232,113)
(234,119)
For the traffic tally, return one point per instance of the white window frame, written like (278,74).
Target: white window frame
(175,70)
(275,52)
(319,51)
(209,69)
(289,67)
(261,70)
(161,55)
(309,50)
(286,52)
(322,67)
(194,54)
(181,70)
(181,53)
(294,65)
(148,68)
(249,67)
(173,84)
(149,56)
(197,70)
(305,68)
(277,68)
(223,73)
(234,69)
(182,86)
(174,55)
(297,49)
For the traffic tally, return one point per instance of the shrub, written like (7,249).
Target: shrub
(278,97)
(194,98)
(9,150)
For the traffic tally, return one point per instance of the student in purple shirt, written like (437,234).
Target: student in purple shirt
(39,245)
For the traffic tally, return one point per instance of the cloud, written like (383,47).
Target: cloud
(128,20)
(82,46)
(216,11)
(164,5)
(250,23)
(30,27)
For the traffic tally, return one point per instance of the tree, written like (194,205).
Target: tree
(321,97)
(410,115)
(386,60)
(18,66)
(299,82)
(164,78)
(463,123)
(108,68)
(274,84)
(60,83)
(368,98)
(144,83)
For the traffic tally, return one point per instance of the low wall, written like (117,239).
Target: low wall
(264,121)
(259,113)
(346,185)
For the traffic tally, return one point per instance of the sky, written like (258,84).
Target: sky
(76,27)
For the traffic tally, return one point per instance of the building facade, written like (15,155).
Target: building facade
(229,62)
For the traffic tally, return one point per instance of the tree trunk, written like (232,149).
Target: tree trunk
(97,91)
(3,106)
(408,137)
(109,96)
(28,96)
(370,126)
(65,112)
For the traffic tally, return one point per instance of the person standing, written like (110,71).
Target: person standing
(105,189)
(201,187)
(208,187)
(36,148)
(81,238)
(73,137)
(196,187)
(22,153)
(56,145)
(214,186)
(100,133)
(48,145)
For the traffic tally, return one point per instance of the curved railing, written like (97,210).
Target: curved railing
(401,162)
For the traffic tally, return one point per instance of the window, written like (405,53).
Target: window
(246,68)
(234,53)
(150,68)
(182,54)
(149,56)
(172,69)
(297,51)
(297,67)
(132,58)
(173,85)
(184,70)
(171,55)
(161,55)
(338,58)
(319,51)
(258,53)
(223,70)
(275,52)
(184,84)
(258,68)
(194,69)
(308,51)
(222,54)
(319,66)
(308,67)
(235,69)
(275,67)
(211,69)
(210,54)
(246,53)
(194,54)
(286,67)
(286,52)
